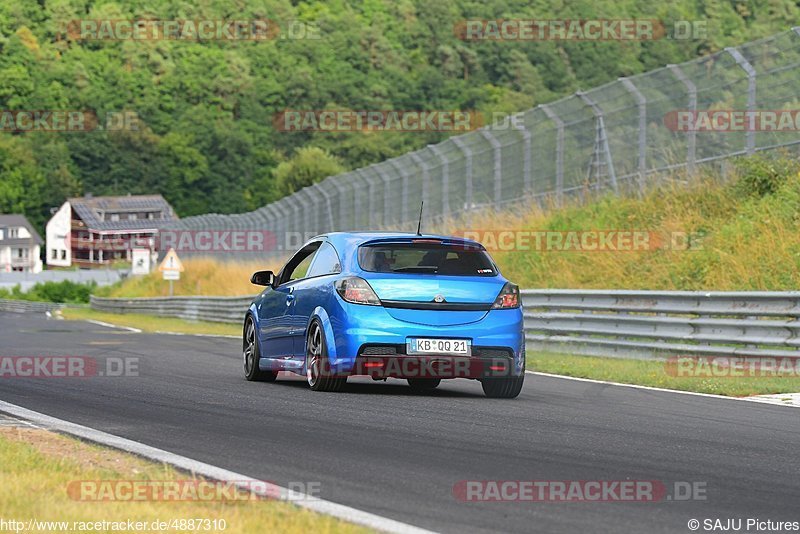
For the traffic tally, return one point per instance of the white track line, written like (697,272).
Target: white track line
(650,388)
(109,325)
(321,506)
(227,336)
(138,331)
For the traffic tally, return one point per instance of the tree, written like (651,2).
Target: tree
(308,166)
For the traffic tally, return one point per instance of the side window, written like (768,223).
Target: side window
(298,266)
(326,261)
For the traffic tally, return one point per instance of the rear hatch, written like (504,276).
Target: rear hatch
(431,282)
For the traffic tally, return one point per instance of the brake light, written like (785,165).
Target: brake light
(357,291)
(508,297)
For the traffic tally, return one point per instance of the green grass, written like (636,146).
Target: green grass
(152,323)
(201,276)
(742,235)
(37,466)
(655,374)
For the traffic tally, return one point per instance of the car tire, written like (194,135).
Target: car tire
(318,369)
(507,387)
(423,384)
(252,355)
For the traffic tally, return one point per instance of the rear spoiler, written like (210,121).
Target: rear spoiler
(445,241)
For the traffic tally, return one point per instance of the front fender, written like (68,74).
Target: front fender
(252,311)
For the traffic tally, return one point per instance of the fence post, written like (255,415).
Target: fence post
(527,184)
(691,142)
(445,179)
(641,101)
(273,218)
(601,130)
(498,165)
(426,176)
(297,213)
(386,200)
(404,192)
(370,197)
(303,207)
(356,200)
(468,195)
(559,152)
(750,139)
(341,196)
(327,198)
(284,224)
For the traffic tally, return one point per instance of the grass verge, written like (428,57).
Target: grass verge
(655,374)
(152,323)
(37,466)
(201,276)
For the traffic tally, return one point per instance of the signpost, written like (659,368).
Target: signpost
(171,268)
(140,261)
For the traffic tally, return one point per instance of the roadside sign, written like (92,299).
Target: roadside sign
(171,263)
(171,268)
(140,261)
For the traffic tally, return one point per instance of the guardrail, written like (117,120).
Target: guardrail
(26,306)
(638,324)
(626,324)
(212,309)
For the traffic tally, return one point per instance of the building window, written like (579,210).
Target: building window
(63,254)
(13,233)
(132,217)
(114,217)
(54,254)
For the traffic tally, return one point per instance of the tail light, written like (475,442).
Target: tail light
(508,297)
(357,291)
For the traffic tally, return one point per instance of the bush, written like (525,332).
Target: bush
(761,175)
(62,292)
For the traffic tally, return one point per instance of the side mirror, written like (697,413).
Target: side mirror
(262,278)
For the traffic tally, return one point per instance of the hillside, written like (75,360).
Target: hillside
(739,233)
(205,108)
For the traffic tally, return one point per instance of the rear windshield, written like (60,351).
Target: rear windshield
(426,258)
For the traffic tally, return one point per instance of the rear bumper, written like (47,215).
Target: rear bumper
(435,366)
(369,341)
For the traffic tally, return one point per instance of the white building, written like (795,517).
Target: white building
(20,245)
(98,232)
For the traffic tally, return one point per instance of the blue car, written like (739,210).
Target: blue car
(387,305)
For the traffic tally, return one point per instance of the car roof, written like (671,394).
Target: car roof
(345,240)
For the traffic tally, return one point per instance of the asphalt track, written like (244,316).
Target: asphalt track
(379,448)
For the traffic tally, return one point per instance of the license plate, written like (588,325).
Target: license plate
(426,345)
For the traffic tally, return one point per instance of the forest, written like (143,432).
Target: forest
(205,109)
